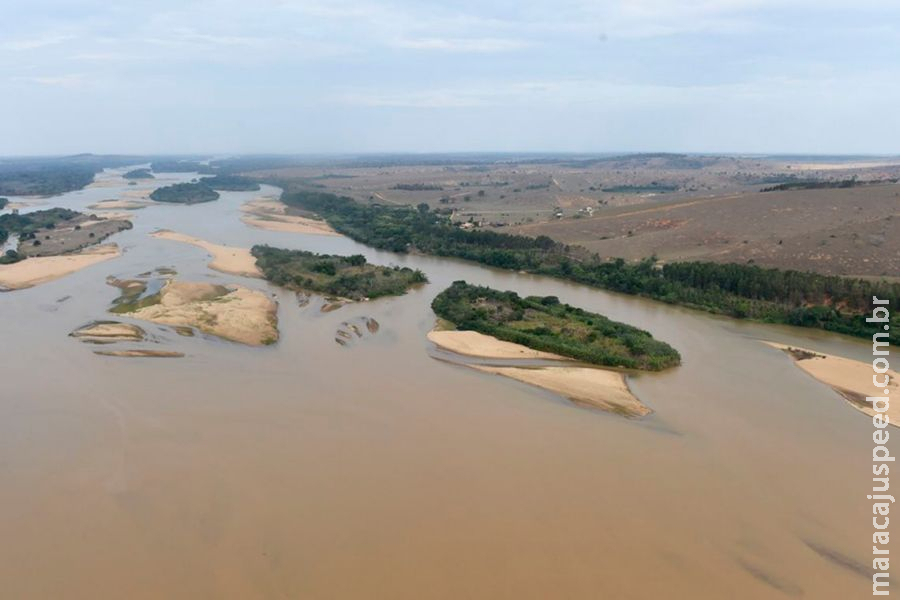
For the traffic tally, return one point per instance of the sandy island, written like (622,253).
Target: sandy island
(227,259)
(231,312)
(586,386)
(472,343)
(271,214)
(41,269)
(851,379)
(110,331)
(595,388)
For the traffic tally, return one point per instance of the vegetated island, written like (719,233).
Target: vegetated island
(838,304)
(139,174)
(349,277)
(502,325)
(852,379)
(546,325)
(232,312)
(231,183)
(55,242)
(185,193)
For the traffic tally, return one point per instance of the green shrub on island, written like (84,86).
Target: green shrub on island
(3,203)
(838,304)
(343,276)
(547,325)
(9,257)
(139,174)
(231,183)
(185,193)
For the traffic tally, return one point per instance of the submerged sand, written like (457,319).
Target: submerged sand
(595,388)
(119,204)
(852,379)
(231,312)
(141,353)
(472,343)
(270,214)
(41,269)
(227,259)
(110,330)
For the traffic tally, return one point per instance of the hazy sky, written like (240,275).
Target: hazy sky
(473,75)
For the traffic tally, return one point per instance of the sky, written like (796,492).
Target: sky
(354,76)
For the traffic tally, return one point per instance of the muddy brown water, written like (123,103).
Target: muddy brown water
(312,470)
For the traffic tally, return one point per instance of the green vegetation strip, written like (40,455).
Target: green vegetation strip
(344,276)
(545,324)
(832,303)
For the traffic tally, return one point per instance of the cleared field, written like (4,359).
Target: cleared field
(835,231)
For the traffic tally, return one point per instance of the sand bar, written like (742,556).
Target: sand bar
(472,343)
(231,312)
(110,330)
(595,388)
(119,204)
(271,214)
(227,259)
(41,269)
(852,379)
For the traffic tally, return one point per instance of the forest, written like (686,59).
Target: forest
(231,183)
(546,324)
(180,166)
(25,225)
(806,299)
(341,276)
(185,193)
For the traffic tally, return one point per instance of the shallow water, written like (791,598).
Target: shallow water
(312,470)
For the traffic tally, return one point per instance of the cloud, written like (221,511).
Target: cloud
(460,44)
(35,42)
(67,81)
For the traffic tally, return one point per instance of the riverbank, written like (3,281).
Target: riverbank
(41,269)
(852,379)
(227,259)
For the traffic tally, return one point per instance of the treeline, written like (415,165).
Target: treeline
(43,180)
(180,166)
(832,303)
(343,276)
(185,193)
(418,187)
(545,324)
(56,175)
(230,183)
(818,184)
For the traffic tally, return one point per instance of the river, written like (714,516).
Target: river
(311,470)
